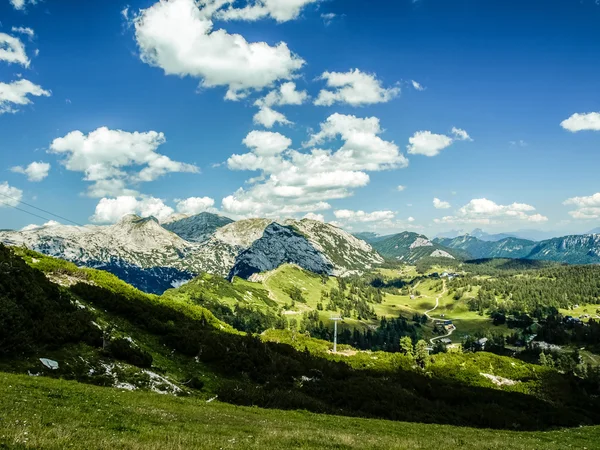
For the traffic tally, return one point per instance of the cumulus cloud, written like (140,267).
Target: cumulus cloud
(485,212)
(361,216)
(104,155)
(586,207)
(12,50)
(9,196)
(195,205)
(286,94)
(111,210)
(20,5)
(431,144)
(36,171)
(178,36)
(582,122)
(355,88)
(313,216)
(439,204)
(418,86)
(279,10)
(17,94)
(292,181)
(268,117)
(401,188)
(50,223)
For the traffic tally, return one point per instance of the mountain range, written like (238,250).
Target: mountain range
(532,235)
(576,249)
(155,256)
(410,247)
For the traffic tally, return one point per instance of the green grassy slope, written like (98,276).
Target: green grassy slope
(41,413)
(202,356)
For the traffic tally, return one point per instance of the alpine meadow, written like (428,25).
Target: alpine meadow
(299,224)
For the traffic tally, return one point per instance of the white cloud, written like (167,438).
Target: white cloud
(586,207)
(21,4)
(178,37)
(12,50)
(430,144)
(265,143)
(439,204)
(268,117)
(280,10)
(299,182)
(361,216)
(111,210)
(460,135)
(9,196)
(427,143)
(355,88)
(485,212)
(287,94)
(195,205)
(411,219)
(418,86)
(582,122)
(50,223)
(24,30)
(519,143)
(400,188)
(328,18)
(17,93)
(104,154)
(313,216)
(36,171)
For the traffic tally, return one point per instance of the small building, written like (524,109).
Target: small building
(481,343)
(446,341)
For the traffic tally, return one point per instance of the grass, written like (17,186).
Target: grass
(42,413)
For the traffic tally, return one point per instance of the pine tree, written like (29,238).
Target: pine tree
(406,346)
(421,353)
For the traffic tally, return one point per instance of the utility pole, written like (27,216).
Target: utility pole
(335,322)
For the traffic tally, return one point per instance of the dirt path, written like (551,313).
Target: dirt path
(437,303)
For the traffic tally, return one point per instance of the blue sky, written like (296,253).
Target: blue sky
(126,101)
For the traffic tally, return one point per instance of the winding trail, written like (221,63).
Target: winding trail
(437,303)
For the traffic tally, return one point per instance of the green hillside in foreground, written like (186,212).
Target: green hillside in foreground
(103,332)
(41,413)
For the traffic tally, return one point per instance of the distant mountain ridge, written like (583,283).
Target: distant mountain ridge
(575,249)
(476,248)
(409,247)
(155,257)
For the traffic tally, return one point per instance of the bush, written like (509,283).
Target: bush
(125,351)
